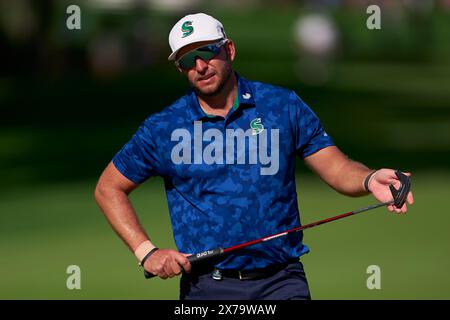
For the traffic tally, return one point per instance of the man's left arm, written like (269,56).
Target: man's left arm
(347,176)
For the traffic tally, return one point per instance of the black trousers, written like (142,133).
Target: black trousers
(287,284)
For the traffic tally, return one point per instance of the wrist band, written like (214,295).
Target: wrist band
(143,249)
(147,256)
(366,181)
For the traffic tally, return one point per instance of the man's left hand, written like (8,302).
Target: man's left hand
(379,186)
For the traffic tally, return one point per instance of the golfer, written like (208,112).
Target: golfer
(226,151)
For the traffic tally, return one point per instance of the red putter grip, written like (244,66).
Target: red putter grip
(195,258)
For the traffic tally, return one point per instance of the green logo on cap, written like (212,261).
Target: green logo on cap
(187,29)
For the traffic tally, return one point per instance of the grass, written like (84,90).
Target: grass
(46,228)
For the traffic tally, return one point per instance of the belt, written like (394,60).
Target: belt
(254,274)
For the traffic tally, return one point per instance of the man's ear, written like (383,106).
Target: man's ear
(231,49)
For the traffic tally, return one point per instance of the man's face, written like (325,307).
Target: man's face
(209,77)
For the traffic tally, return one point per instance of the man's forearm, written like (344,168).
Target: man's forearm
(350,178)
(337,170)
(121,215)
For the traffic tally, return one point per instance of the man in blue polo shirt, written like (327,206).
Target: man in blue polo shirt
(226,151)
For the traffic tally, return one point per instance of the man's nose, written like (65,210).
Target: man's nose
(200,65)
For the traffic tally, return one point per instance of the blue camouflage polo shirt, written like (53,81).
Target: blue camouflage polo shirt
(229,180)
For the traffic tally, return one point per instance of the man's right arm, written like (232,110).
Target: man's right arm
(111,194)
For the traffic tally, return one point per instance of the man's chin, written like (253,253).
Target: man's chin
(214,88)
(207,91)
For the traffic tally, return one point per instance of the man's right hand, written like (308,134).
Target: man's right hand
(167,263)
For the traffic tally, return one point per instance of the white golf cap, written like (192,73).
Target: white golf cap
(194,28)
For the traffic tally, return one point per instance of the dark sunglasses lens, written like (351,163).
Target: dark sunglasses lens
(187,61)
(204,53)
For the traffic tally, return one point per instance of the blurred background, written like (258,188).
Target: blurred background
(70,99)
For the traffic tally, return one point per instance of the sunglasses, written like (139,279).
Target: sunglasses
(205,53)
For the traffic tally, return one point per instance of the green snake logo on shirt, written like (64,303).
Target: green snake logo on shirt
(256,126)
(187,28)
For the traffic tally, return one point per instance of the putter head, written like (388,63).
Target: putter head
(399,195)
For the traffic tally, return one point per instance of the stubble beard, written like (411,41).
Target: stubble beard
(223,80)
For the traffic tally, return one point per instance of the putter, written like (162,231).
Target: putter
(399,197)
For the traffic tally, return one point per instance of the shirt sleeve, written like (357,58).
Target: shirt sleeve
(138,159)
(309,134)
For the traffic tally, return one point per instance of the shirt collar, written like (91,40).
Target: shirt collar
(245,91)
(245,96)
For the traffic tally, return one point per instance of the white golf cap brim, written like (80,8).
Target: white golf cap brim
(194,28)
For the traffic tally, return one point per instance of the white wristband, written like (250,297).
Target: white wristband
(143,249)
